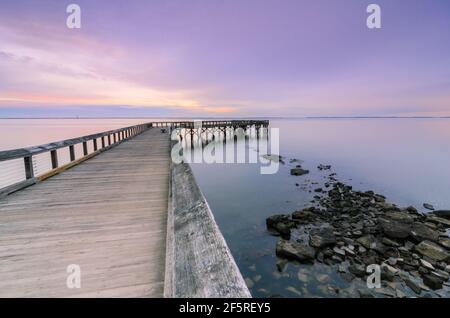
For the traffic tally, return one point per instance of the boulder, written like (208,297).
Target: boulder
(320,238)
(271,220)
(281,224)
(432,281)
(395,229)
(442,214)
(295,251)
(432,251)
(303,215)
(439,221)
(421,232)
(445,242)
(413,285)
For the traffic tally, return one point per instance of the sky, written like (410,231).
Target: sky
(224,58)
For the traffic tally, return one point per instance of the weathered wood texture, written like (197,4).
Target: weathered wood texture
(108,215)
(199,263)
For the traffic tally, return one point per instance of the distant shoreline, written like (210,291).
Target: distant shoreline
(242,117)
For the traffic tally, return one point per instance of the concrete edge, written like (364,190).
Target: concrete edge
(170,250)
(199,263)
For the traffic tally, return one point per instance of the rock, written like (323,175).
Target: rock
(348,277)
(302,215)
(439,221)
(281,224)
(422,271)
(447,268)
(391,261)
(339,251)
(445,242)
(365,293)
(432,250)
(395,229)
(421,232)
(304,278)
(389,242)
(320,238)
(341,269)
(281,265)
(426,264)
(400,294)
(257,278)
(441,274)
(274,219)
(348,251)
(249,282)
(413,285)
(299,171)
(294,291)
(432,281)
(295,251)
(428,206)
(442,214)
(390,269)
(357,270)
(386,291)
(387,273)
(318,190)
(367,241)
(322,278)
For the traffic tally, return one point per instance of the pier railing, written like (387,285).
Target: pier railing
(22,167)
(25,166)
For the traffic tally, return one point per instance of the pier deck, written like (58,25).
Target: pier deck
(108,215)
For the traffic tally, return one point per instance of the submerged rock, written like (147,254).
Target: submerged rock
(432,281)
(299,171)
(296,251)
(357,270)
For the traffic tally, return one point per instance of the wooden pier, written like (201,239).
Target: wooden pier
(107,215)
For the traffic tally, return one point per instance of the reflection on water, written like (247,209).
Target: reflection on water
(404,159)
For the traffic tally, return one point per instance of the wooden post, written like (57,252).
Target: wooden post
(54,156)
(85,149)
(72,153)
(95,144)
(28,161)
(103,141)
(109,140)
(114,137)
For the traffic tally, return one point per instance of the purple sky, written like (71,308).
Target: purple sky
(224,58)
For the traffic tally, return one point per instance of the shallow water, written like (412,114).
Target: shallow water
(404,159)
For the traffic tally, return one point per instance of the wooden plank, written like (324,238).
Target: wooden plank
(108,215)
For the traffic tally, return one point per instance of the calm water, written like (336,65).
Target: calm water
(407,160)
(18,133)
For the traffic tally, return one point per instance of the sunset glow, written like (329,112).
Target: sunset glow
(296,58)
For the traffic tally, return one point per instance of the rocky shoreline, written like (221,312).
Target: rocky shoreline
(352,229)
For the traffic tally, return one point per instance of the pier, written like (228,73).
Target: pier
(113,204)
